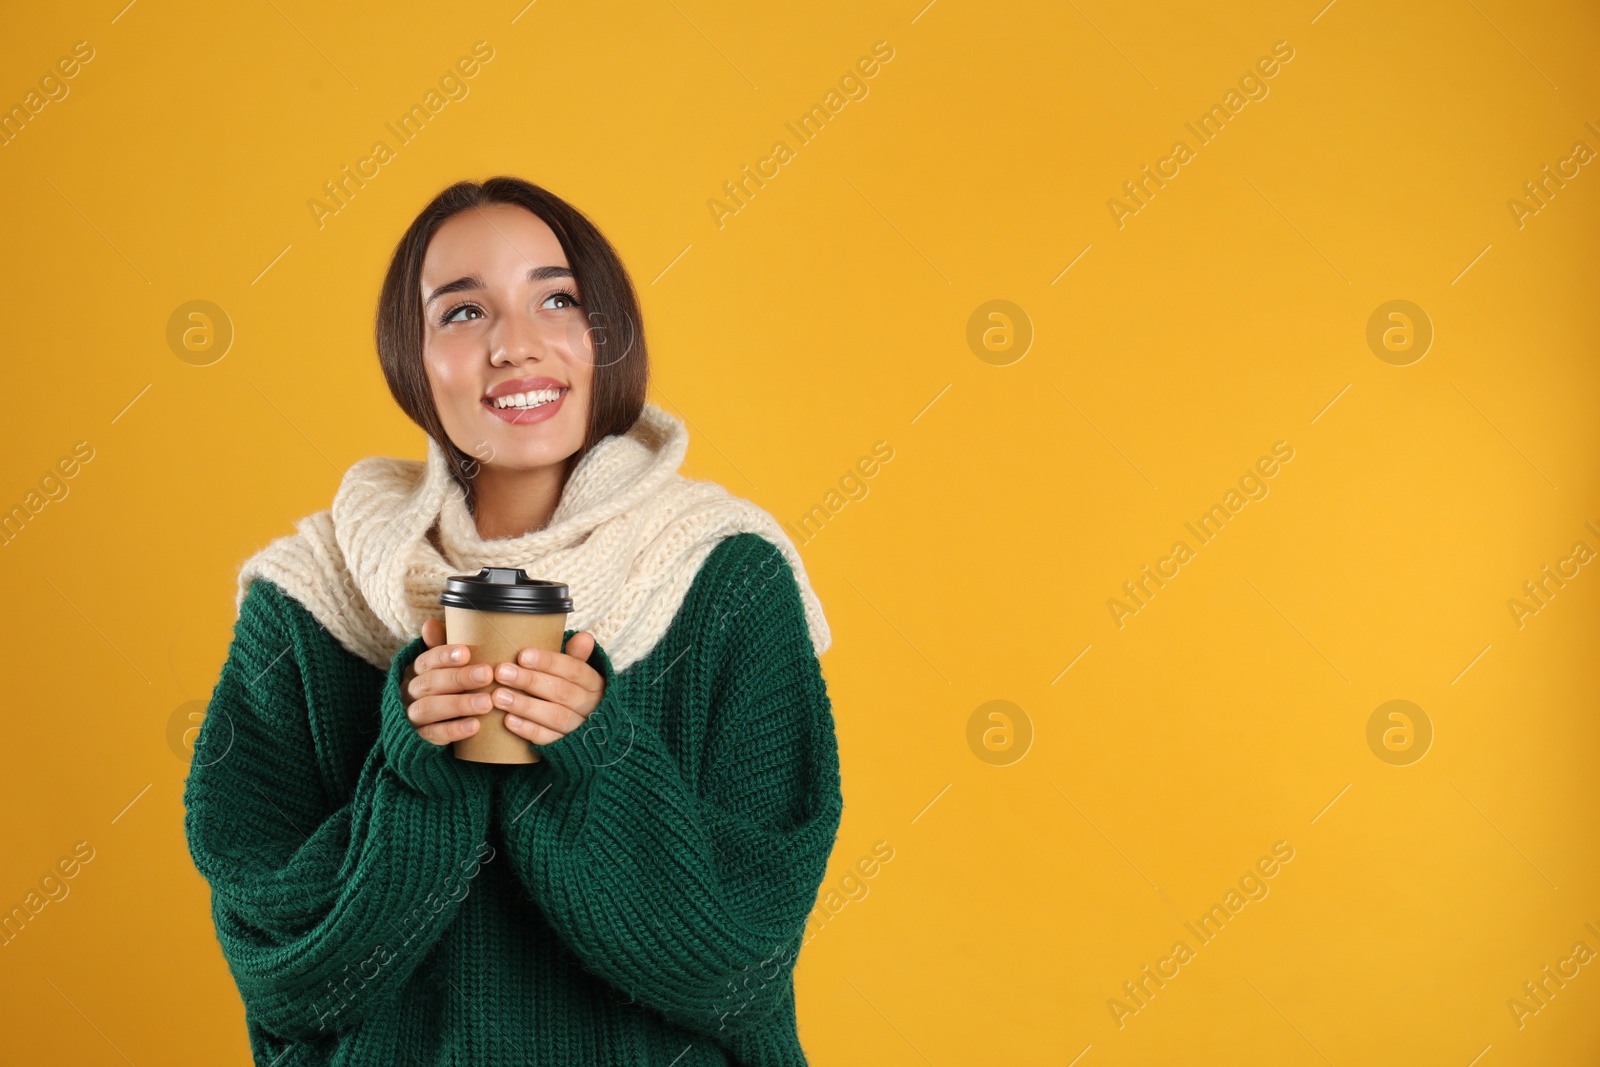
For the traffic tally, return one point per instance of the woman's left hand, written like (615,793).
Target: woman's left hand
(547,695)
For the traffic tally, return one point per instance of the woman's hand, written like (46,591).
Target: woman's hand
(437,689)
(551,693)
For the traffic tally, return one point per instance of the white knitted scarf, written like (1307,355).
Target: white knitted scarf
(627,539)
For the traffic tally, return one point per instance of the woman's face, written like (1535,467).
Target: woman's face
(503,318)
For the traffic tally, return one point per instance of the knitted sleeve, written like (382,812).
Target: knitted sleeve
(683,873)
(325,899)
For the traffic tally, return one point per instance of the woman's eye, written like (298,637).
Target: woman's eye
(450,316)
(571,301)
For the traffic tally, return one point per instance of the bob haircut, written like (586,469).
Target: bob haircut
(615,324)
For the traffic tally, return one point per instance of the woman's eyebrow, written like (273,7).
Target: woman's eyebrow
(472,281)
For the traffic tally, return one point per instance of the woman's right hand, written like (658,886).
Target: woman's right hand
(437,689)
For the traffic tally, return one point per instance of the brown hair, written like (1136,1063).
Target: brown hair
(615,324)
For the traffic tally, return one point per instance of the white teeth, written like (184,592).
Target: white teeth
(527,400)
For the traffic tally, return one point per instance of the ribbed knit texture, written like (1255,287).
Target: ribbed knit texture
(638,897)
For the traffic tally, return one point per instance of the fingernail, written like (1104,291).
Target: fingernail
(512,720)
(530,657)
(457,655)
(480,673)
(508,673)
(502,696)
(480,701)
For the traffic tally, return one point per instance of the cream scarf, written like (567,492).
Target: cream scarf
(627,538)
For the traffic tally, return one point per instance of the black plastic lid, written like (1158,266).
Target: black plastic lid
(505,589)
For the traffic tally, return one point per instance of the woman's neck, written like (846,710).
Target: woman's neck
(510,503)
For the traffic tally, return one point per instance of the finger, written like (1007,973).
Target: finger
(546,686)
(442,656)
(578,650)
(442,680)
(442,733)
(531,731)
(439,708)
(581,645)
(558,717)
(433,633)
(451,680)
(563,665)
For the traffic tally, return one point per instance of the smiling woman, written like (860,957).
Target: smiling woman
(466,265)
(673,834)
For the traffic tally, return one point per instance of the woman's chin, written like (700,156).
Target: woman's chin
(526,456)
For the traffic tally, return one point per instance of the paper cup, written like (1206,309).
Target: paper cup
(497,613)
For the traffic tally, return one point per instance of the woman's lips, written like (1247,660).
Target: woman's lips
(524,416)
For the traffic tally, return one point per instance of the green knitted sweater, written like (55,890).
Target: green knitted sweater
(638,897)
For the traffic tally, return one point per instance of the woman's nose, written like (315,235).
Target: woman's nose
(517,337)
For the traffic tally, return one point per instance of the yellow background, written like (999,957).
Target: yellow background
(827,315)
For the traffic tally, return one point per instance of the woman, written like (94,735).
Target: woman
(639,894)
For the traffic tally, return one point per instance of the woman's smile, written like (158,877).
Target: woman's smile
(525,400)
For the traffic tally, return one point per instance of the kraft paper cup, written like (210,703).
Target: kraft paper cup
(497,613)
